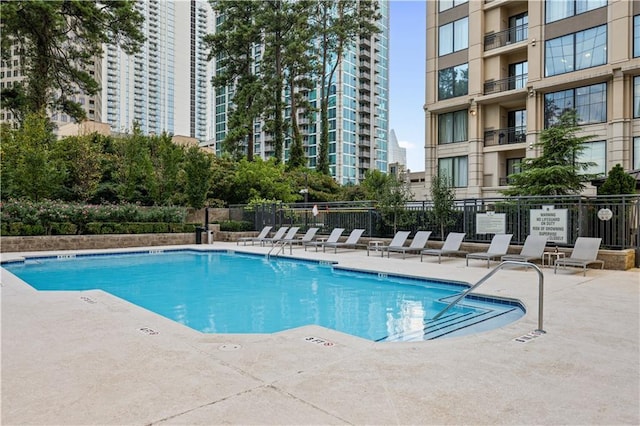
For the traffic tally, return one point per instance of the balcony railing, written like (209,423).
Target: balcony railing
(505,136)
(509,36)
(510,83)
(504,181)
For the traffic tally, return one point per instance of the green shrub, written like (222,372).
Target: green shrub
(63,228)
(19,229)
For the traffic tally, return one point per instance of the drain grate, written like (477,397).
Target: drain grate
(147,330)
(229,347)
(529,336)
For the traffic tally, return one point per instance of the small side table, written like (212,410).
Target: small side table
(374,245)
(551,257)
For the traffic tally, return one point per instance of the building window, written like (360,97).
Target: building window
(518,27)
(514,166)
(589,102)
(560,9)
(448,4)
(453,36)
(455,169)
(595,153)
(636,97)
(453,81)
(577,51)
(636,153)
(636,36)
(452,127)
(518,74)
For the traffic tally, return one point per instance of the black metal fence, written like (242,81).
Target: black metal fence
(585,217)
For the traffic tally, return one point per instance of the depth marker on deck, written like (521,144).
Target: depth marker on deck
(528,337)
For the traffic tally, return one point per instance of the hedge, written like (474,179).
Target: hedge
(96,228)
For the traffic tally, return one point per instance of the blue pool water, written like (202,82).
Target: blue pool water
(219,292)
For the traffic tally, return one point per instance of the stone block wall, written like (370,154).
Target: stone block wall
(81,242)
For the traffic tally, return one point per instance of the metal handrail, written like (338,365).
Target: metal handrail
(275,245)
(490,274)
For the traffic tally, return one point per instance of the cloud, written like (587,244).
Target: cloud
(407,144)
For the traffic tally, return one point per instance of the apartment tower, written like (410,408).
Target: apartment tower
(500,71)
(358,112)
(166,86)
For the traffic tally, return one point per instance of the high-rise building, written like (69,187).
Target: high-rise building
(166,86)
(358,112)
(11,73)
(501,71)
(163,88)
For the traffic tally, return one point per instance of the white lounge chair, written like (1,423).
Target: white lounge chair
(451,246)
(333,238)
(263,234)
(276,237)
(291,234)
(498,248)
(352,241)
(416,246)
(398,241)
(307,237)
(585,252)
(531,250)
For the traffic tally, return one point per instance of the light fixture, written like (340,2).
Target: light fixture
(533,42)
(472,112)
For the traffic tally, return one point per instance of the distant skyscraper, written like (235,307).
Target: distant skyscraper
(166,86)
(358,112)
(397,154)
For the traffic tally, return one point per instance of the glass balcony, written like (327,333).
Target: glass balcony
(502,38)
(505,136)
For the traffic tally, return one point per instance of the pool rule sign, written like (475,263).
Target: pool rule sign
(551,223)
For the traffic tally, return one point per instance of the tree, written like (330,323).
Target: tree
(233,46)
(618,182)
(29,166)
(166,158)
(135,175)
(337,24)
(58,42)
(392,195)
(197,173)
(262,180)
(79,157)
(299,64)
(558,170)
(443,197)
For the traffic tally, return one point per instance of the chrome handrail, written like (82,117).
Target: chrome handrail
(490,274)
(275,245)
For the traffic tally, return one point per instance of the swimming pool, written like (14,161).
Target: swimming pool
(226,292)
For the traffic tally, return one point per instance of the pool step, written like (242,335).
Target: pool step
(436,329)
(448,324)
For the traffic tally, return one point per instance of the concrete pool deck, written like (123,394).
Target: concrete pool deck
(90,358)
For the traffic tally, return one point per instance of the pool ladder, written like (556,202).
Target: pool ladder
(490,274)
(278,244)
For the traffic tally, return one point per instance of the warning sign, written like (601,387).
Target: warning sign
(550,222)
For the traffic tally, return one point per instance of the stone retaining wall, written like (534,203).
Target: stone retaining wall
(80,242)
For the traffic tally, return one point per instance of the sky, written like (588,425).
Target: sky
(406,77)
